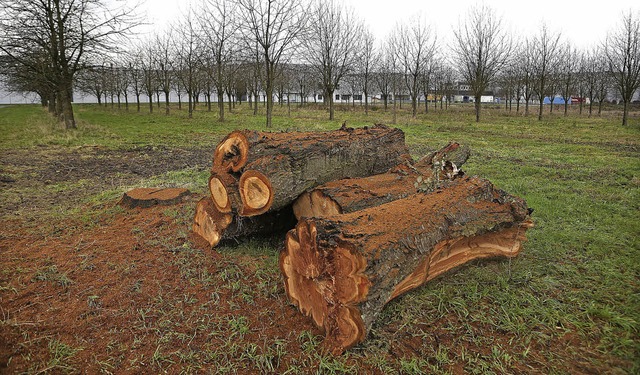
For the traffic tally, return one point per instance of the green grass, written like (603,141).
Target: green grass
(573,293)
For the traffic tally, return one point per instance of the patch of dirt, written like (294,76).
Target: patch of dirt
(117,290)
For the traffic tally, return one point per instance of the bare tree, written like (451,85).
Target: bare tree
(569,63)
(415,48)
(622,49)
(332,47)
(545,47)
(187,50)
(365,61)
(427,81)
(392,66)
(93,80)
(164,63)
(384,74)
(133,62)
(69,31)
(603,84)
(525,71)
(30,77)
(481,49)
(217,23)
(274,25)
(593,67)
(148,68)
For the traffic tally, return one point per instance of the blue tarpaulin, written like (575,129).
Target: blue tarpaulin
(556,100)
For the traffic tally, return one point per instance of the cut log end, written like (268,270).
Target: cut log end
(256,193)
(209,223)
(231,154)
(325,288)
(219,194)
(315,204)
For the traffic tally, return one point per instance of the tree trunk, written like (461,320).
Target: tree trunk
(331,109)
(52,102)
(166,103)
(342,270)
(353,194)
(478,98)
(540,108)
(625,113)
(275,168)
(66,93)
(220,105)
(600,107)
(366,103)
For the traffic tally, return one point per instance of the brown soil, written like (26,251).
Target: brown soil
(135,292)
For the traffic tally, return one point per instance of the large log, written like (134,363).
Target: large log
(353,194)
(215,226)
(341,270)
(275,168)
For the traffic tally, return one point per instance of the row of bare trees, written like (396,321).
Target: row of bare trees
(271,48)
(45,43)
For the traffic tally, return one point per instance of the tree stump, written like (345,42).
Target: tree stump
(147,197)
(341,270)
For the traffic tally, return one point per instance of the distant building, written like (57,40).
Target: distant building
(462,94)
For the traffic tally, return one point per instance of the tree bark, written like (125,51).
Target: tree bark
(342,270)
(354,194)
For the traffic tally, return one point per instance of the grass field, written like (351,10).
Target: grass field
(87,285)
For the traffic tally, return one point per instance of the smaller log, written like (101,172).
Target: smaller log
(216,227)
(147,197)
(353,194)
(281,166)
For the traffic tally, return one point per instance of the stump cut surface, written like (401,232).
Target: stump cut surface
(147,197)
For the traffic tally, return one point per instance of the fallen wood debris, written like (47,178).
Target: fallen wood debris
(372,224)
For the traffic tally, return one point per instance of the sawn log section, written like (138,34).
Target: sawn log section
(341,270)
(353,194)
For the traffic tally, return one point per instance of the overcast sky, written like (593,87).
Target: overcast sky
(584,22)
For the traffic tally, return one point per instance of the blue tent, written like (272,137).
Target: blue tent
(556,100)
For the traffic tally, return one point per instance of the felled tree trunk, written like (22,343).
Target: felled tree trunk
(343,269)
(215,226)
(275,168)
(353,194)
